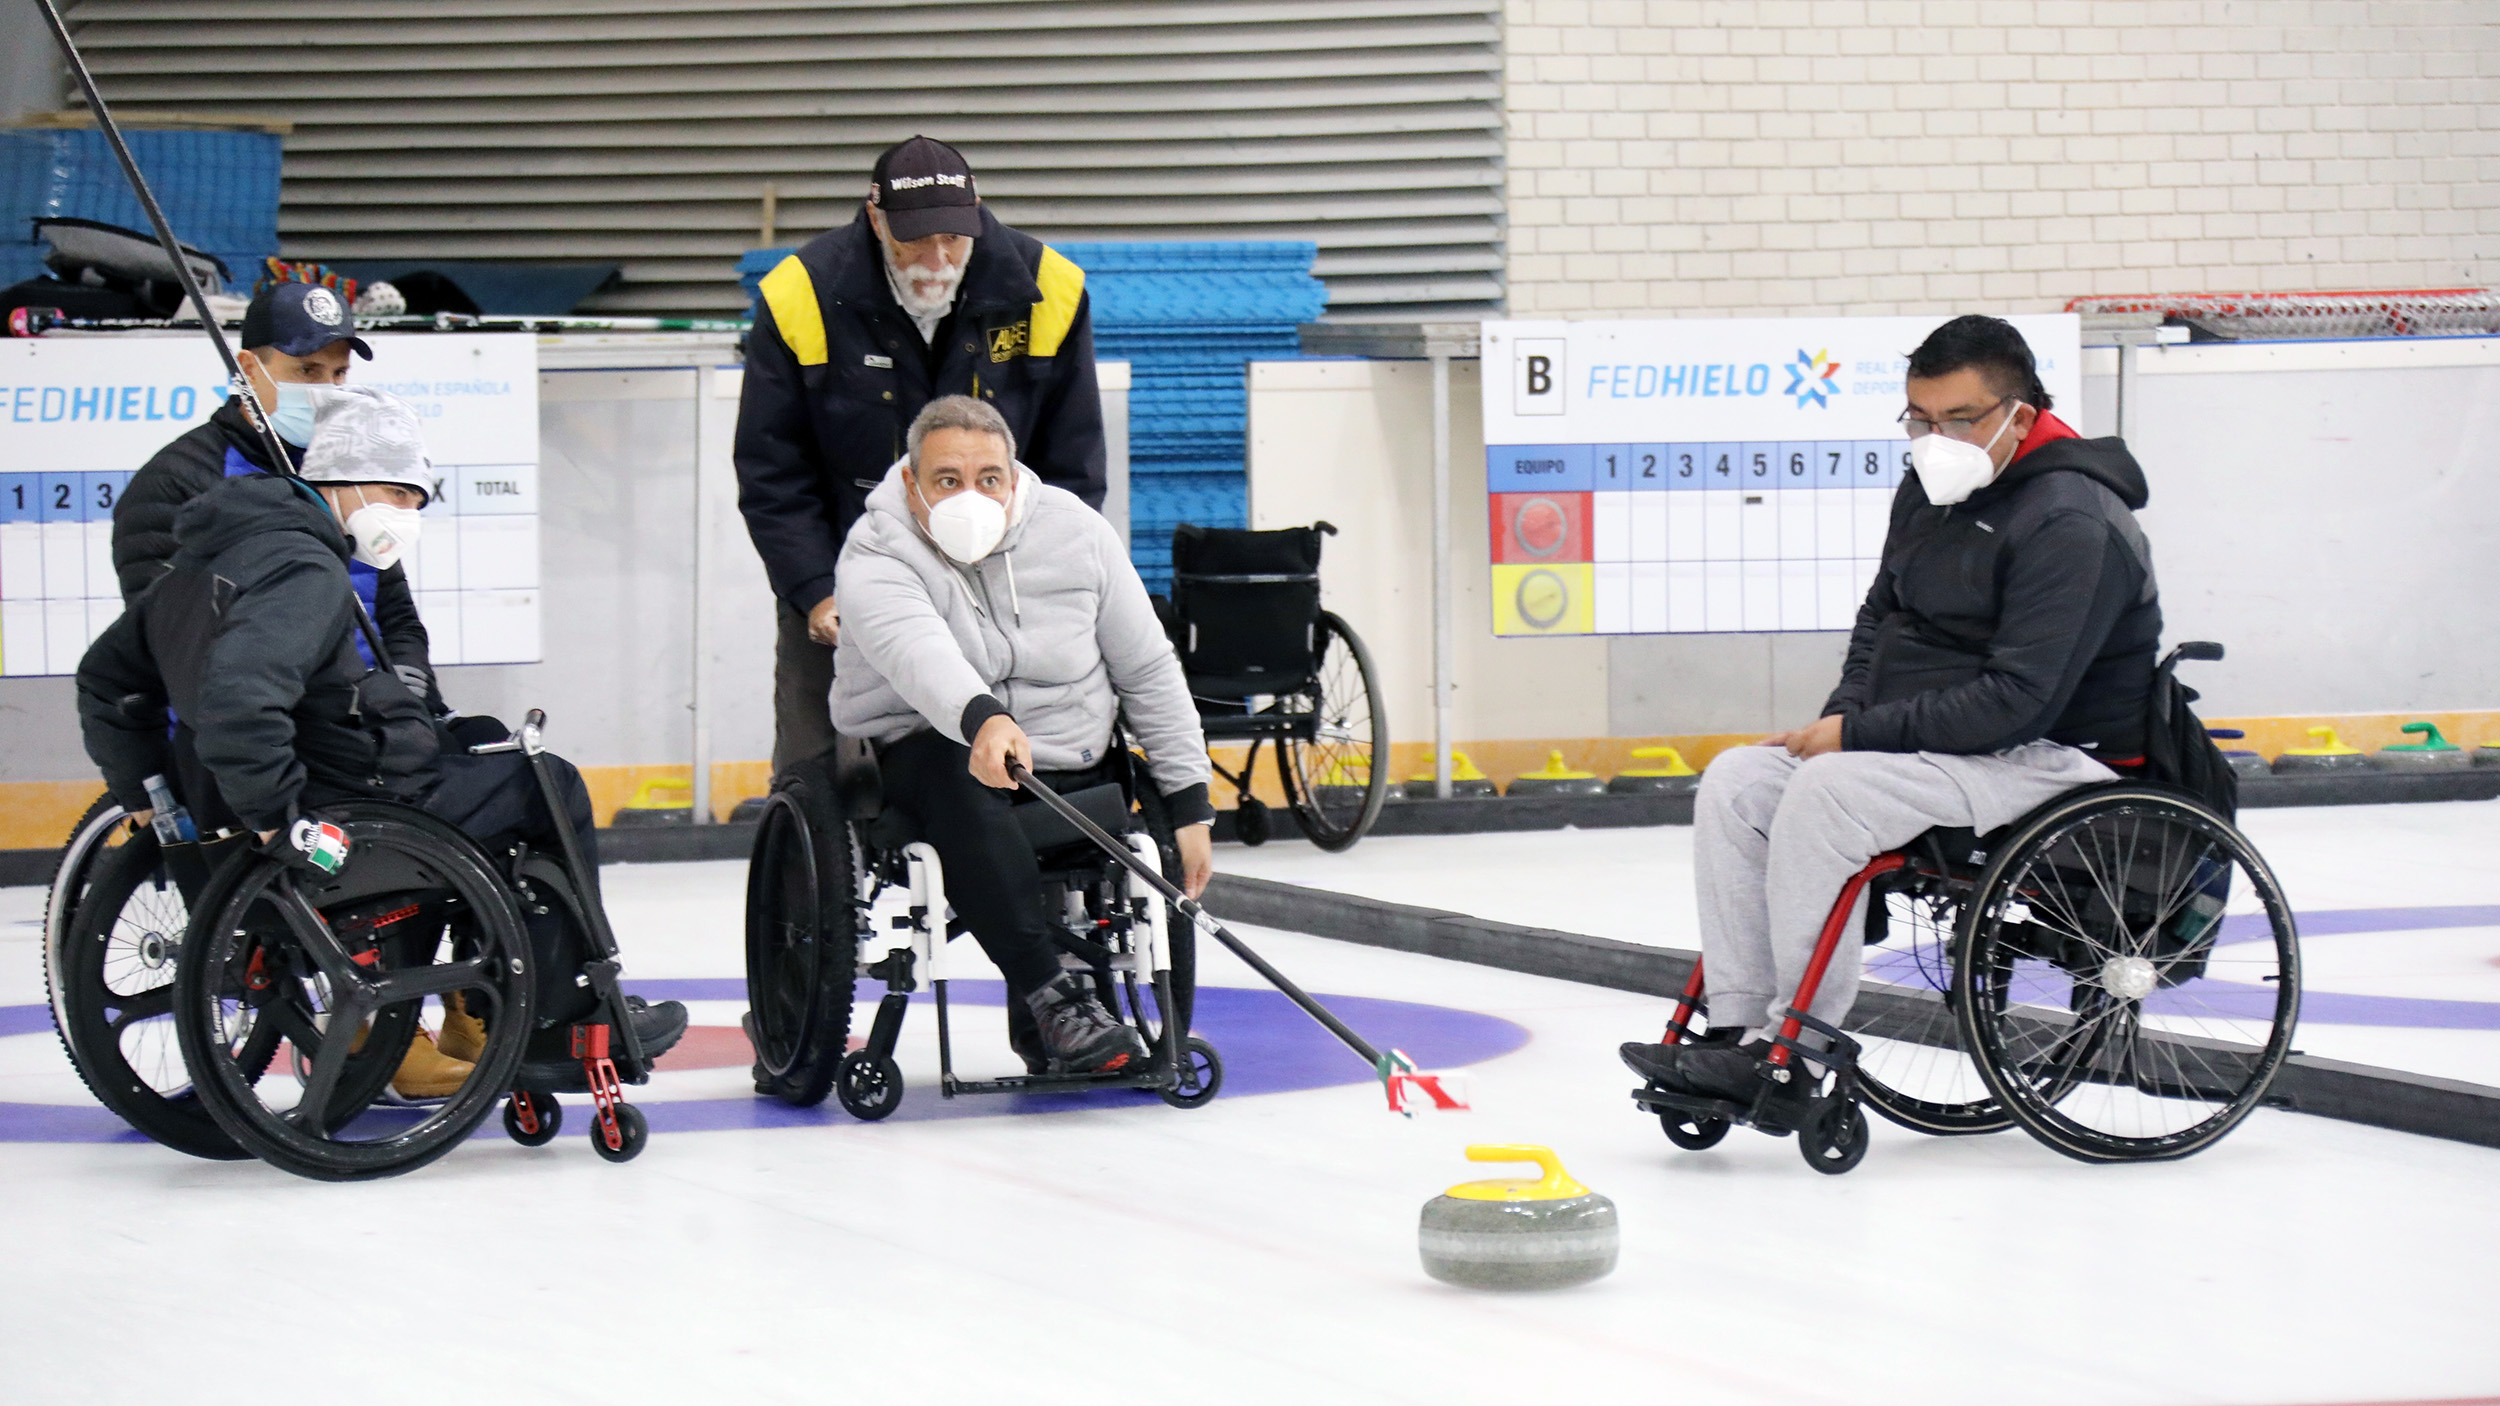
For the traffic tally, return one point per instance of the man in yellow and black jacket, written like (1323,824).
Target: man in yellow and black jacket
(925,294)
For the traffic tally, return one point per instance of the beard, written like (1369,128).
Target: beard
(925,294)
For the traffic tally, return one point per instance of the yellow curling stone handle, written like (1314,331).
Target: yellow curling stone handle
(1555,1185)
(2323,743)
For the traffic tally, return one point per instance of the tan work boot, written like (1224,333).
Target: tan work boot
(426,1072)
(464,1035)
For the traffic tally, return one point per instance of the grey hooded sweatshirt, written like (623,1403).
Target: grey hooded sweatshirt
(1053,628)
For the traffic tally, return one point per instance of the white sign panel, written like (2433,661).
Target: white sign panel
(1704,475)
(80,415)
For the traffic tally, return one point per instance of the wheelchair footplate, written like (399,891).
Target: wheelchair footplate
(1823,1111)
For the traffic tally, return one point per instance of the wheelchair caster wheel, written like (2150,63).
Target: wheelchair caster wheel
(1251,823)
(1202,1074)
(1835,1141)
(870,1085)
(532,1119)
(632,1131)
(1693,1134)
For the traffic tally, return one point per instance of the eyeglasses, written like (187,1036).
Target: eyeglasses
(1964,429)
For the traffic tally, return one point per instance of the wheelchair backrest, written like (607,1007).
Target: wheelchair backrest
(1245,608)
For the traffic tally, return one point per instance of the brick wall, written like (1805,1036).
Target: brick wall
(1898,156)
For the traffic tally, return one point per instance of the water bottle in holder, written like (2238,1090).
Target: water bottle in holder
(171,822)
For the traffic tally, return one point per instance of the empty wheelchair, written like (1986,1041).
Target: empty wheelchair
(828,850)
(2116,972)
(1269,668)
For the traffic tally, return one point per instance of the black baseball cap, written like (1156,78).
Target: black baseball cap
(300,319)
(925,188)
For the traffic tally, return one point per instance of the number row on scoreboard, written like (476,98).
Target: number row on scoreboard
(62,497)
(1681,467)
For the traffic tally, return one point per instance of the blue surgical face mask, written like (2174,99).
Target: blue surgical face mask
(293,419)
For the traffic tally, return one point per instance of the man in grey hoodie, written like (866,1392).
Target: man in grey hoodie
(988,616)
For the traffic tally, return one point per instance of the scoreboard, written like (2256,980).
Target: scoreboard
(1699,476)
(80,414)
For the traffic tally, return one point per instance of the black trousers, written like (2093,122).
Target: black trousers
(992,878)
(496,800)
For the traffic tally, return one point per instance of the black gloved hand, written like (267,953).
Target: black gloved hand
(310,846)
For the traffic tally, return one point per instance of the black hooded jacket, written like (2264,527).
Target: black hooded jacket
(836,372)
(143,526)
(2027,611)
(249,640)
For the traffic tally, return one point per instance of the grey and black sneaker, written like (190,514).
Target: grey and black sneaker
(1077,1035)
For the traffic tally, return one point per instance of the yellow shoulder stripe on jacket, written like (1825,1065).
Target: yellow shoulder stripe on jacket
(791,294)
(1063,287)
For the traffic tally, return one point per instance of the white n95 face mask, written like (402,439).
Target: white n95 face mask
(384,533)
(967,526)
(1951,470)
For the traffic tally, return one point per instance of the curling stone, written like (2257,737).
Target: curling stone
(2432,753)
(643,809)
(1341,788)
(1465,780)
(2487,755)
(1668,774)
(1549,1233)
(2325,752)
(2241,761)
(1556,780)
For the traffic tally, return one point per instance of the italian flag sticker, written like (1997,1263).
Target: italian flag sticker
(323,843)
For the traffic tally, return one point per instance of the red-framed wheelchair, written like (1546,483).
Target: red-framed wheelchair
(2116,972)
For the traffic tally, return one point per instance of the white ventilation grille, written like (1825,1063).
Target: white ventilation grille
(645,132)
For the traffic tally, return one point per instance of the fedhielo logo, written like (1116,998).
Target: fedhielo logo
(1810,378)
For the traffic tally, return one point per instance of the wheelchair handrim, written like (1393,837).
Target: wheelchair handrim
(220,943)
(2112,1057)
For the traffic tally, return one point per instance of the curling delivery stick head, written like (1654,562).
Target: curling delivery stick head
(1412,1090)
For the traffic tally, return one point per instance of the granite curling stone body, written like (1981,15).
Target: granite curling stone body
(1549,1233)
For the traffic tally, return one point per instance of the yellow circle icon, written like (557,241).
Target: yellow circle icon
(1543,599)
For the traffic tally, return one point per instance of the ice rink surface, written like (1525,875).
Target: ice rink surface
(1263,1248)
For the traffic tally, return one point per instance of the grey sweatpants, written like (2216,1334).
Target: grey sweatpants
(1774,839)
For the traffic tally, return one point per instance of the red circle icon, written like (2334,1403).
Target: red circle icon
(1541,528)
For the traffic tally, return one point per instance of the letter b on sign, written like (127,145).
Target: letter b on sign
(1537,377)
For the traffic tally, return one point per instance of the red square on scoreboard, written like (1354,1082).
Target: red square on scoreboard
(1535,529)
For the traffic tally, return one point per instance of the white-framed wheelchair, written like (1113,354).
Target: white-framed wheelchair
(227,1006)
(2117,973)
(831,858)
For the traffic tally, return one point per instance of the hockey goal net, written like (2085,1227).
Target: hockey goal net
(2411,312)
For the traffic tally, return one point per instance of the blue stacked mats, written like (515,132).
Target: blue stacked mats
(1188,318)
(218,189)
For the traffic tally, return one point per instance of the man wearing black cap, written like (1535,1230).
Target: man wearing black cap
(924,295)
(293,335)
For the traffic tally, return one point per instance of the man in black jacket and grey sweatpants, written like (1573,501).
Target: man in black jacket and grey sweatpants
(2004,656)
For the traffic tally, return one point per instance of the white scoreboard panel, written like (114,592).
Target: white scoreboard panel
(1702,476)
(80,414)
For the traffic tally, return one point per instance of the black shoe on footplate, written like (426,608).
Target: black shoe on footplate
(1735,1072)
(1078,1036)
(1663,1064)
(548,1064)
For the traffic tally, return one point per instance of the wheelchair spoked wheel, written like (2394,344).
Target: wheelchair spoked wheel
(1337,779)
(99,830)
(342,968)
(1914,1068)
(112,970)
(2129,978)
(802,941)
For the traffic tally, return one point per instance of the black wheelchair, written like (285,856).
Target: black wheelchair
(1268,667)
(227,1006)
(2116,972)
(828,850)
